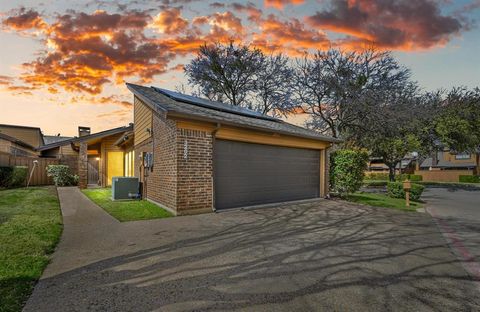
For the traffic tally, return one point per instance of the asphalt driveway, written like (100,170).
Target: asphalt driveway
(457,213)
(323,255)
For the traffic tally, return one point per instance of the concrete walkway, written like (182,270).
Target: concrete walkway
(323,255)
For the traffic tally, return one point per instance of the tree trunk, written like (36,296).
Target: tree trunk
(391,173)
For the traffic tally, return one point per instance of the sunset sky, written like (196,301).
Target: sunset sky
(64,63)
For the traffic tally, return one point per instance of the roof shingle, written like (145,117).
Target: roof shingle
(162,102)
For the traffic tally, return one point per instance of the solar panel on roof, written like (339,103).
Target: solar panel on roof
(213,105)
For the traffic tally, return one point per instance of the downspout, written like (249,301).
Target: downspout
(214,134)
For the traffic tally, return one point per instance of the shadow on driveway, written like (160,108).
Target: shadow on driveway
(326,255)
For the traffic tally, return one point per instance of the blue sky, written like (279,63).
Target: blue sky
(63,65)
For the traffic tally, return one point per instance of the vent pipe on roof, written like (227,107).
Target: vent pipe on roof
(83,131)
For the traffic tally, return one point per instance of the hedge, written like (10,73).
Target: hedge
(395,190)
(381,176)
(469,179)
(11,177)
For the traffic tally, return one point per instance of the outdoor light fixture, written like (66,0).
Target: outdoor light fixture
(97,158)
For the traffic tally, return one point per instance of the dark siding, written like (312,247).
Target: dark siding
(250,174)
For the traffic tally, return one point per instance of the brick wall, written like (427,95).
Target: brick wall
(161,183)
(442,175)
(82,165)
(195,171)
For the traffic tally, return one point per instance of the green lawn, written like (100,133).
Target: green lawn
(382,200)
(125,210)
(30,227)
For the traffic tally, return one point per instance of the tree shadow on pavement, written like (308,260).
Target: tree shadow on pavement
(313,256)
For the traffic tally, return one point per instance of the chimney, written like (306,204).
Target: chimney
(83,131)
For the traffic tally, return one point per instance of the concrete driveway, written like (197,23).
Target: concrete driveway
(457,213)
(323,255)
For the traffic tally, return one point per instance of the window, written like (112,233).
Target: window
(462,156)
(129,163)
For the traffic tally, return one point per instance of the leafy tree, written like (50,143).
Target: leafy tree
(391,132)
(347,170)
(458,125)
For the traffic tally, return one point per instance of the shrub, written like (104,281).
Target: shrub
(19,176)
(383,176)
(61,175)
(5,175)
(395,190)
(347,169)
(380,176)
(15,176)
(415,177)
(469,179)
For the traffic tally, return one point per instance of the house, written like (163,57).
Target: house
(406,165)
(96,157)
(20,140)
(447,166)
(196,156)
(109,153)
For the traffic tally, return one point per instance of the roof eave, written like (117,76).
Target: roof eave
(146,100)
(87,137)
(221,121)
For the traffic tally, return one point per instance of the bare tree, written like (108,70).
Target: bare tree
(225,72)
(339,89)
(243,76)
(273,86)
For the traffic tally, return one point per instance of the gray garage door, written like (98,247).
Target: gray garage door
(249,174)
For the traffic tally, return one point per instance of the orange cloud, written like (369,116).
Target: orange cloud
(402,24)
(22,19)
(279,4)
(254,14)
(87,51)
(290,36)
(5,80)
(169,22)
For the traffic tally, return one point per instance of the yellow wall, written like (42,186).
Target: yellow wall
(252,136)
(114,165)
(142,120)
(129,163)
(108,145)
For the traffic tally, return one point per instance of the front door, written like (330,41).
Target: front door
(92,170)
(114,166)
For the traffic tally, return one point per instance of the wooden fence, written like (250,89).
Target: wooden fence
(39,176)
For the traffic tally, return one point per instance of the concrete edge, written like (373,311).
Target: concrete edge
(272,205)
(174,212)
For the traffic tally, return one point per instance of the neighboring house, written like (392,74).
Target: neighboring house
(406,165)
(108,153)
(105,154)
(448,166)
(197,156)
(20,140)
(15,147)
(447,160)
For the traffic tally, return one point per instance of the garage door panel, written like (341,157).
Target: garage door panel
(248,174)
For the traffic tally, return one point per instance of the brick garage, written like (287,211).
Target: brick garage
(208,156)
